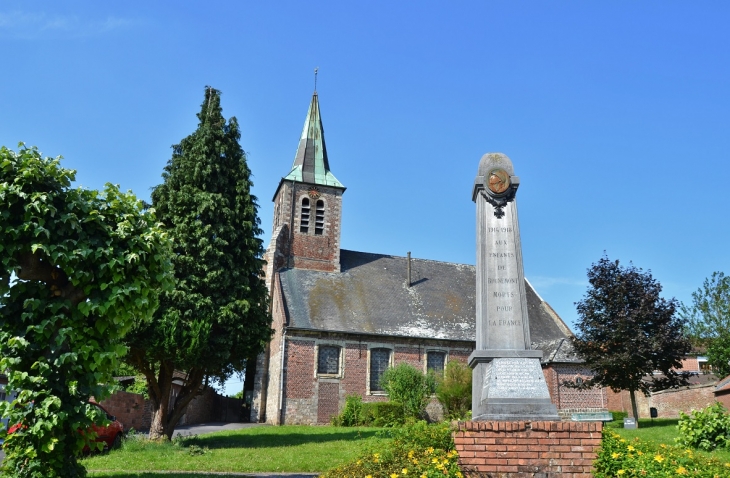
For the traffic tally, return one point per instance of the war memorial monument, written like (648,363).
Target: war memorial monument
(515,430)
(508,383)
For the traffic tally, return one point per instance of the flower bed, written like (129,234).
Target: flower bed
(417,450)
(619,457)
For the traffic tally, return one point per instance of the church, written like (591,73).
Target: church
(342,317)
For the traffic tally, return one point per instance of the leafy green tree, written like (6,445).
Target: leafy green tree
(408,386)
(708,321)
(626,331)
(217,315)
(79,268)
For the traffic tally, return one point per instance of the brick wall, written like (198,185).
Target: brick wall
(724,398)
(667,402)
(131,409)
(690,364)
(310,251)
(200,409)
(356,372)
(300,387)
(312,399)
(522,449)
(301,394)
(566,398)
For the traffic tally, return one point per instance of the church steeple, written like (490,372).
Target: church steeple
(308,206)
(310,163)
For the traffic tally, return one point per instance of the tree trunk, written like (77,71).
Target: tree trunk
(160,397)
(165,415)
(634,409)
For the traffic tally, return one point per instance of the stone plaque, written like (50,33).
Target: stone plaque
(514,377)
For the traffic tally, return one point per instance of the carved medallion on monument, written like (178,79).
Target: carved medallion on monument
(507,375)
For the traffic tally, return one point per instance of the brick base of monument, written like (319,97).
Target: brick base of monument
(498,449)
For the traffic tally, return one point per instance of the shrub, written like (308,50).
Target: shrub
(377,414)
(618,420)
(382,414)
(408,386)
(621,457)
(416,450)
(453,390)
(351,414)
(705,429)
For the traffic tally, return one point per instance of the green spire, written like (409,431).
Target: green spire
(310,163)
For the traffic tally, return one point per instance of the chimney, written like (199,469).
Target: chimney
(408,283)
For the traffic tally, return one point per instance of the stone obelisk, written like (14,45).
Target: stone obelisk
(507,379)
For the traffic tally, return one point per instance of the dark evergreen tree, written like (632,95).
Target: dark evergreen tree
(217,315)
(627,331)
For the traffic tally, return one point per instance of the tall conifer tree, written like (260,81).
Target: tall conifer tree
(217,315)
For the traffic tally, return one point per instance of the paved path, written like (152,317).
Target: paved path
(202,428)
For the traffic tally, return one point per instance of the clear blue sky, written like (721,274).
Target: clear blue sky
(616,115)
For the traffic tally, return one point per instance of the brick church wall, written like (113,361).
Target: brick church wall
(310,251)
(303,389)
(354,380)
(571,399)
(309,399)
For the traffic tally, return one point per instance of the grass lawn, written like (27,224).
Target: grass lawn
(664,430)
(132,474)
(258,449)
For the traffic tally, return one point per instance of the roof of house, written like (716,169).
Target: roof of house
(723,385)
(370,295)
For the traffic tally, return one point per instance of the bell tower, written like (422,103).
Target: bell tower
(308,206)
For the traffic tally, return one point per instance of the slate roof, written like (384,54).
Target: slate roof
(370,296)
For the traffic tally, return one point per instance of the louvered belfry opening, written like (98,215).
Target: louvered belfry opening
(319,219)
(304,217)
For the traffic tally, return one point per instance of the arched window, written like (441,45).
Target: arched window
(319,218)
(304,216)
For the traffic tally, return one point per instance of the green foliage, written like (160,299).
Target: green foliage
(453,390)
(217,316)
(88,266)
(418,449)
(382,414)
(626,331)
(371,414)
(407,386)
(706,429)
(139,386)
(635,458)
(708,321)
(618,420)
(351,415)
